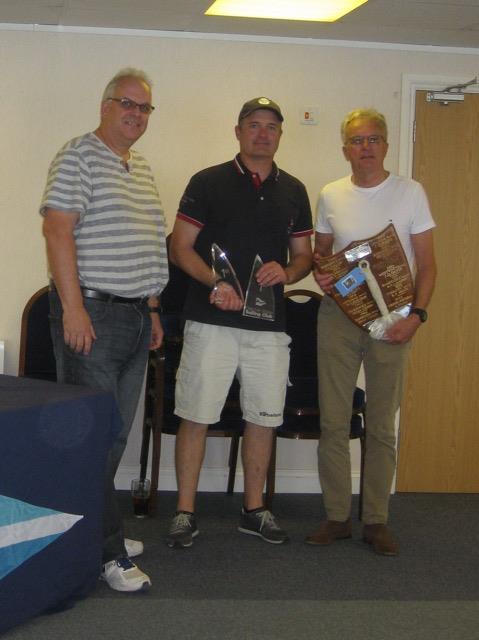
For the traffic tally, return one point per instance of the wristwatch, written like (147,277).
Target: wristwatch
(422,313)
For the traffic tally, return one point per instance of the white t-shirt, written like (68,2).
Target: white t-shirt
(353,213)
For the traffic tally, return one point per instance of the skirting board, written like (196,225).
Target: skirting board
(215,479)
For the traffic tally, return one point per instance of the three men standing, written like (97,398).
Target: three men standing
(104,230)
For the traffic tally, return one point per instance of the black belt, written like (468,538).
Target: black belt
(108,297)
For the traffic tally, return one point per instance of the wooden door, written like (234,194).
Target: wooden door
(439,425)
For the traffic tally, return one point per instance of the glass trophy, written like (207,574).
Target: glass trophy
(223,269)
(259,300)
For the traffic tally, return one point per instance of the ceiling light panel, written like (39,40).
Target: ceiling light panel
(310,10)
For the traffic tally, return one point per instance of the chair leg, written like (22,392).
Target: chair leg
(145,448)
(271,476)
(233,459)
(153,424)
(155,469)
(362,441)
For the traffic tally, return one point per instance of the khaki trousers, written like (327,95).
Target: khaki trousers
(342,347)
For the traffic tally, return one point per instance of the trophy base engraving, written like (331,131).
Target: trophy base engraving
(259,301)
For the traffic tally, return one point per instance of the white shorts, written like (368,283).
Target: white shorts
(210,359)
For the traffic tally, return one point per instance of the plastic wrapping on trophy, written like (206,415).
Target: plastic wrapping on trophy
(378,328)
(259,302)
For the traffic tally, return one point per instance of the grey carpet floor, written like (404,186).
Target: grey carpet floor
(235,587)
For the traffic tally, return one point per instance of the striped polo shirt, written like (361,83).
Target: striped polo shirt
(120,234)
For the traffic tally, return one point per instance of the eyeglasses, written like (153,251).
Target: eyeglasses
(358,141)
(130,105)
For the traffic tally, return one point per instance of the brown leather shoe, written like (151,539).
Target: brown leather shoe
(381,538)
(329,531)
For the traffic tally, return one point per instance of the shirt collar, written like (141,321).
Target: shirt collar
(243,170)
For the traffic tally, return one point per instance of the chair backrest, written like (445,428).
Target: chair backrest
(174,294)
(302,308)
(172,300)
(37,359)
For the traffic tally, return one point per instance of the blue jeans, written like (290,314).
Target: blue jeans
(116,363)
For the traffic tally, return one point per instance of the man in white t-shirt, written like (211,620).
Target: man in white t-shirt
(360,206)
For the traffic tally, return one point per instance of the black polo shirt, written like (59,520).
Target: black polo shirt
(245,218)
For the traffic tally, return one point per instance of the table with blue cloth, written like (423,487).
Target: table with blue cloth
(54,440)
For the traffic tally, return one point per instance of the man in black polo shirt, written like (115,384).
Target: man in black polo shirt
(249,208)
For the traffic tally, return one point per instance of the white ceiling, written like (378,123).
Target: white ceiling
(445,23)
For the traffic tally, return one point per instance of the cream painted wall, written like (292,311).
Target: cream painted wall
(51,87)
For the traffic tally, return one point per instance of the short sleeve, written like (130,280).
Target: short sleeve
(304,223)
(68,185)
(322,222)
(193,203)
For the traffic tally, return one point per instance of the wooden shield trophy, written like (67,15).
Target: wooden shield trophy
(373,281)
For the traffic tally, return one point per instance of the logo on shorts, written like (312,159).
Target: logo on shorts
(269,415)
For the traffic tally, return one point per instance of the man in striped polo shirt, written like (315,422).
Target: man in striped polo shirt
(105,236)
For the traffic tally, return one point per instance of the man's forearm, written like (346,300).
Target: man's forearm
(424,287)
(191,263)
(61,254)
(298,268)
(78,330)
(426,268)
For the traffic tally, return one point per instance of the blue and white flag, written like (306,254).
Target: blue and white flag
(26,529)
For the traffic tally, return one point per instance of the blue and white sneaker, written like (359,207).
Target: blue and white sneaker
(123,575)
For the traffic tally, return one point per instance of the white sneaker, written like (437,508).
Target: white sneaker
(133,547)
(122,575)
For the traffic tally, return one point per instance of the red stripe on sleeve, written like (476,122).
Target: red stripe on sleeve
(300,234)
(192,221)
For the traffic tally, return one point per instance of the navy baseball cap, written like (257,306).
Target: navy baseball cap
(259,103)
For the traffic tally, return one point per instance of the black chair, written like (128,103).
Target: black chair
(36,358)
(302,414)
(159,417)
